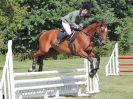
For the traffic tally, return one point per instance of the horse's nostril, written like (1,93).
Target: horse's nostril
(103,42)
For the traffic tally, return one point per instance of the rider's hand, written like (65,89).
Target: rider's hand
(80,28)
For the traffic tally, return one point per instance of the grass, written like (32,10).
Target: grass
(112,87)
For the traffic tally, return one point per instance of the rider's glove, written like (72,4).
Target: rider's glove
(80,28)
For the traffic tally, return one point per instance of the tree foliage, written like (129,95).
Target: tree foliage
(23,20)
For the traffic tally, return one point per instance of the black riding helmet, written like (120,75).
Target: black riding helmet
(86,5)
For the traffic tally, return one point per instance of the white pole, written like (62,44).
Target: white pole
(110,67)
(116,55)
(11,73)
(48,72)
(5,76)
(0,91)
(113,67)
(5,93)
(87,75)
(8,82)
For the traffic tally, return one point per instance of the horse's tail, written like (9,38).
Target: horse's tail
(39,58)
(37,41)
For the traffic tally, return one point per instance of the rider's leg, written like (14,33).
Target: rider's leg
(67,28)
(69,32)
(62,36)
(71,39)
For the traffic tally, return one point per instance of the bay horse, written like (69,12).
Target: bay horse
(83,45)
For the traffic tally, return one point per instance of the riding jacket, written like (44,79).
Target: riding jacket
(74,19)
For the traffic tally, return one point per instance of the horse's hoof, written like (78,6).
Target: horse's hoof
(31,70)
(92,73)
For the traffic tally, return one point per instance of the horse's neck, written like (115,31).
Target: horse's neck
(90,30)
(86,35)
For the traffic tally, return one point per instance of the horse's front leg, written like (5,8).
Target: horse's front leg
(92,67)
(90,59)
(93,71)
(97,62)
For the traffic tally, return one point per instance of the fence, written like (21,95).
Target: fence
(32,84)
(114,64)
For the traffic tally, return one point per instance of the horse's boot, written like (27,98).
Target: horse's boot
(92,73)
(60,38)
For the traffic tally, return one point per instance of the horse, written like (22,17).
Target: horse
(83,45)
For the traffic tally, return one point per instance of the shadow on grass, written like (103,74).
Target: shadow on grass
(1,68)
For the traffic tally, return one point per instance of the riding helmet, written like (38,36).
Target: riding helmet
(85,5)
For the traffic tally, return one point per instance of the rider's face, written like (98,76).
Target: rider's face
(84,12)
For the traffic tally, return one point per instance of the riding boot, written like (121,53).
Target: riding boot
(60,38)
(71,39)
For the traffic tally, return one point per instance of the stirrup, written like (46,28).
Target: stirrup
(69,43)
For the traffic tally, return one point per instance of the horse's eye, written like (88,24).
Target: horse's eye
(103,29)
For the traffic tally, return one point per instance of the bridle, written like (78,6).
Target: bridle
(97,39)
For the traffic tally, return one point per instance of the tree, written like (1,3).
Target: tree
(23,20)
(12,18)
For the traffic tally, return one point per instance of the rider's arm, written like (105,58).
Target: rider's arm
(77,21)
(71,19)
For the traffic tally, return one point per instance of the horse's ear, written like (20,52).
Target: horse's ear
(104,23)
(107,24)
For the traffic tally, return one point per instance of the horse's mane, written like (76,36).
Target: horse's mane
(101,21)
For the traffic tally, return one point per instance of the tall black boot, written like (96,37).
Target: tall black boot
(71,39)
(60,38)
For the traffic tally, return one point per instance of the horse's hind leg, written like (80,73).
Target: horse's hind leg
(34,64)
(40,63)
(35,59)
(43,49)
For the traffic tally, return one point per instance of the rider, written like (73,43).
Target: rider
(73,20)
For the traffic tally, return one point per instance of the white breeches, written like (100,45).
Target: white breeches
(67,28)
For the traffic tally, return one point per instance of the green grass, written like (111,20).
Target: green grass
(112,87)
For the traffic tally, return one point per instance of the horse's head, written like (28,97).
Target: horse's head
(101,31)
(98,30)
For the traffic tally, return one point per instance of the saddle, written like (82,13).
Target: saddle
(69,38)
(62,34)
